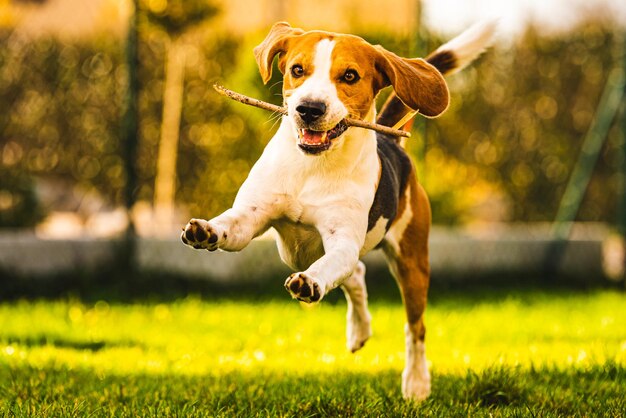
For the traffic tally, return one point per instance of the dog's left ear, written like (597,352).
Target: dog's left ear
(417,83)
(274,43)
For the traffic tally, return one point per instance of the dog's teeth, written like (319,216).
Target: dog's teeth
(324,135)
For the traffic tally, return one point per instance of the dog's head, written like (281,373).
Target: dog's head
(330,76)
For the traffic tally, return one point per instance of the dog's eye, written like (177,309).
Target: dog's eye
(297,71)
(350,76)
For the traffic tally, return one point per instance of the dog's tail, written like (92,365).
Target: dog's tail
(448,58)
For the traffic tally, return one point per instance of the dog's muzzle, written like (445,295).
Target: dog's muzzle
(313,133)
(314,142)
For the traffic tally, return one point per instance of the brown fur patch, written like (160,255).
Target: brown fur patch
(412,269)
(417,83)
(349,53)
(300,52)
(353,53)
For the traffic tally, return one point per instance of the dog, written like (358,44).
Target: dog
(333,193)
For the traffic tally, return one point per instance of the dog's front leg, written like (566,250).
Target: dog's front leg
(230,231)
(341,246)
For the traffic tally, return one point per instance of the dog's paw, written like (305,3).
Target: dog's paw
(200,235)
(415,377)
(358,331)
(304,288)
(415,386)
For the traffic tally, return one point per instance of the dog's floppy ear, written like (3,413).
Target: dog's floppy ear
(274,43)
(417,83)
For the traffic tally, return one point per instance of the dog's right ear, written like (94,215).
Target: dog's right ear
(274,43)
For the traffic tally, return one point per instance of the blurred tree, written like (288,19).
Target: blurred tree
(177,18)
(127,255)
(219,139)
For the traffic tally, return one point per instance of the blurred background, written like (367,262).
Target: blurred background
(111,136)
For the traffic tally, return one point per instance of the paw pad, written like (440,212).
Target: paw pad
(303,288)
(200,235)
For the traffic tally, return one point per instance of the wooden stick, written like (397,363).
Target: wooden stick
(405,119)
(282,110)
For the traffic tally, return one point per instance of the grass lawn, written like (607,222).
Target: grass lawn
(501,353)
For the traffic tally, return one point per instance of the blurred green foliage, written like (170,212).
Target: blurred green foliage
(512,134)
(59,115)
(518,119)
(18,202)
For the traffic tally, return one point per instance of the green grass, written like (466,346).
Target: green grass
(504,353)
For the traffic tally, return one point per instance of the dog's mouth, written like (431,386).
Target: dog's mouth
(314,142)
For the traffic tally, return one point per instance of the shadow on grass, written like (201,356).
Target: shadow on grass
(58,342)
(595,391)
(123,287)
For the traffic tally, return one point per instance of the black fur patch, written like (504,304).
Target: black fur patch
(395,171)
(444,61)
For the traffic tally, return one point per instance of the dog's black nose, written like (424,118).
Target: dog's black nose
(311,111)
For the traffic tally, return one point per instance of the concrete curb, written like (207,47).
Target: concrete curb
(455,254)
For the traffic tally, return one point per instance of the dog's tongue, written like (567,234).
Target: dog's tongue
(313,137)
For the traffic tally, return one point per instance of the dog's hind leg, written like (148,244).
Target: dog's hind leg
(406,249)
(358,320)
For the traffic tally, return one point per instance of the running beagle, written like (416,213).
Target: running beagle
(334,193)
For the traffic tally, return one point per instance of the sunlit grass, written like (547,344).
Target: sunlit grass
(223,341)
(195,337)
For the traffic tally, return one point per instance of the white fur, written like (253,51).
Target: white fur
(415,377)
(358,318)
(470,44)
(375,235)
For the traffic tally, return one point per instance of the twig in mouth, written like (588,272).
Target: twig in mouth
(282,110)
